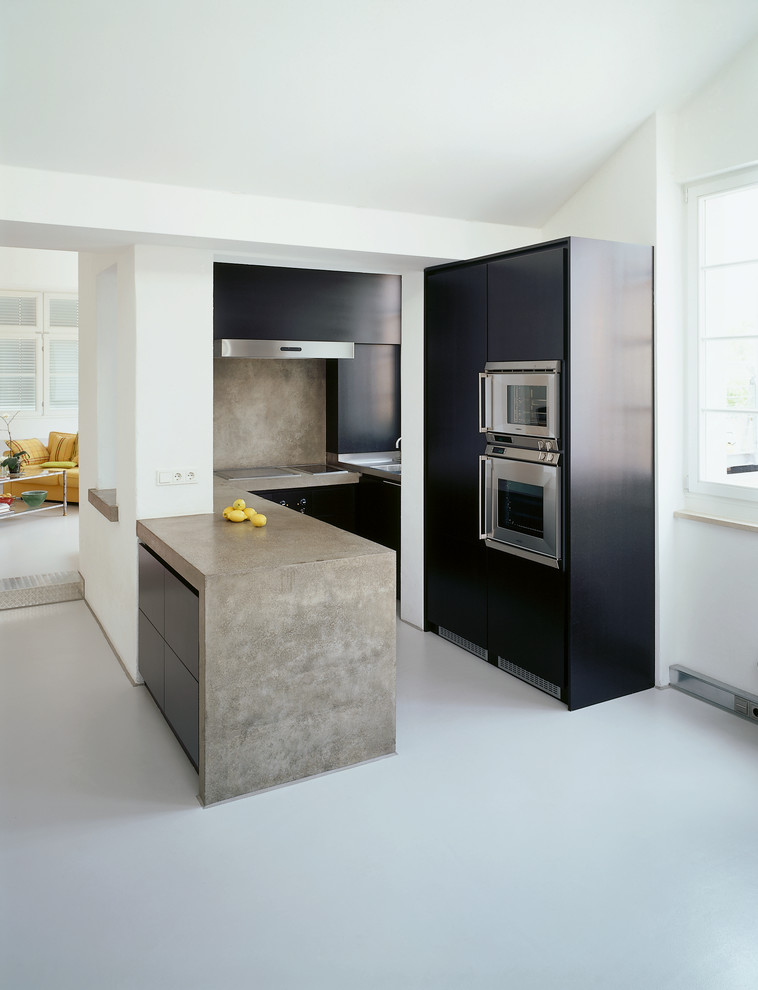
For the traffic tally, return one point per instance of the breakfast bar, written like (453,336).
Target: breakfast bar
(296,643)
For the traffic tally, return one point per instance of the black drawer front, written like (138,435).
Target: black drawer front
(182,621)
(182,703)
(151,594)
(151,664)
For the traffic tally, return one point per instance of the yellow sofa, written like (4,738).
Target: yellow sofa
(62,449)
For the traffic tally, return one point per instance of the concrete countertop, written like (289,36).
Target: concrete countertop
(199,546)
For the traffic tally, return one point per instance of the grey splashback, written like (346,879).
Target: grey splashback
(268,412)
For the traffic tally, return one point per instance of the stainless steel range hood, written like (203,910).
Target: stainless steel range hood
(239,348)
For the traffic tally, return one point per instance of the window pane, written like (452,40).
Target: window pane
(731,301)
(18,311)
(18,373)
(64,312)
(731,226)
(730,373)
(730,443)
(63,373)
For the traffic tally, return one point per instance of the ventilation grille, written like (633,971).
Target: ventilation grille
(466,644)
(741,705)
(529,677)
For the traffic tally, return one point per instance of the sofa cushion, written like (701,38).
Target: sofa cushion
(58,464)
(61,446)
(36,450)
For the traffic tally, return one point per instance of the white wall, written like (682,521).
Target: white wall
(412,430)
(164,418)
(37,271)
(718,130)
(82,209)
(618,202)
(714,622)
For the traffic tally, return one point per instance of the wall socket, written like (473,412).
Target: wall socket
(184,476)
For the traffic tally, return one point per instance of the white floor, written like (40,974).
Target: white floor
(510,844)
(40,543)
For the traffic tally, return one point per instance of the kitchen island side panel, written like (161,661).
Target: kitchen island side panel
(610,511)
(299,672)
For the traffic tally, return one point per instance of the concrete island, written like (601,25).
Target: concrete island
(296,643)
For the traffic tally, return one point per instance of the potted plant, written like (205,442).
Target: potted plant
(13,462)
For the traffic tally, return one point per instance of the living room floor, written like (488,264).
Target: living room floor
(40,543)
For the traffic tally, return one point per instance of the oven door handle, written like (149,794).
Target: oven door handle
(485,497)
(485,400)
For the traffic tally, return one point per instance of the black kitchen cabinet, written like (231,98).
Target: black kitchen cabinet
(526,305)
(333,504)
(168,645)
(363,400)
(583,632)
(526,617)
(455,353)
(378,517)
(263,302)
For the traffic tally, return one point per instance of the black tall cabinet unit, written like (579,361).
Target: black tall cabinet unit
(585,632)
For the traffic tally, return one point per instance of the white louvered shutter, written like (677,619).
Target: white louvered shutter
(18,373)
(63,374)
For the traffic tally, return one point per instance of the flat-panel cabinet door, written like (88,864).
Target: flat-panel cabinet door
(182,621)
(526,620)
(151,664)
(259,302)
(151,594)
(527,311)
(182,703)
(456,351)
(335,505)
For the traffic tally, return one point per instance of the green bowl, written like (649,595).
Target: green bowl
(33,499)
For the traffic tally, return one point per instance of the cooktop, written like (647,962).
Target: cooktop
(318,469)
(256,473)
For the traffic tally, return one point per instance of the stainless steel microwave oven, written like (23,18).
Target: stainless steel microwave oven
(521,399)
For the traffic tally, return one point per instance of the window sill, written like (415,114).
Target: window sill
(104,500)
(750,527)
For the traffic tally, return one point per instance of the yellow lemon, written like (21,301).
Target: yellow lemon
(239,503)
(249,512)
(226,512)
(236,515)
(258,519)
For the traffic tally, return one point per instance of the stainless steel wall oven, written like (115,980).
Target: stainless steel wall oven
(520,502)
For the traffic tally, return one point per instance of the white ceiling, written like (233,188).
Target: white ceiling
(491,110)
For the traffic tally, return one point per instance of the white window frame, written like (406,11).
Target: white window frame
(720,495)
(42,332)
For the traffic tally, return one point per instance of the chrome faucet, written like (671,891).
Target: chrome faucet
(397,443)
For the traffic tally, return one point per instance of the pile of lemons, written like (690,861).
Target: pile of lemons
(239,512)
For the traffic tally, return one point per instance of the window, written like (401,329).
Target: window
(723,224)
(39,352)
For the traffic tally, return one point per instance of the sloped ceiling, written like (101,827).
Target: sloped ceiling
(494,110)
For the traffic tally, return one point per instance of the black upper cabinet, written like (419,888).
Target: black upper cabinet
(527,306)
(261,302)
(363,400)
